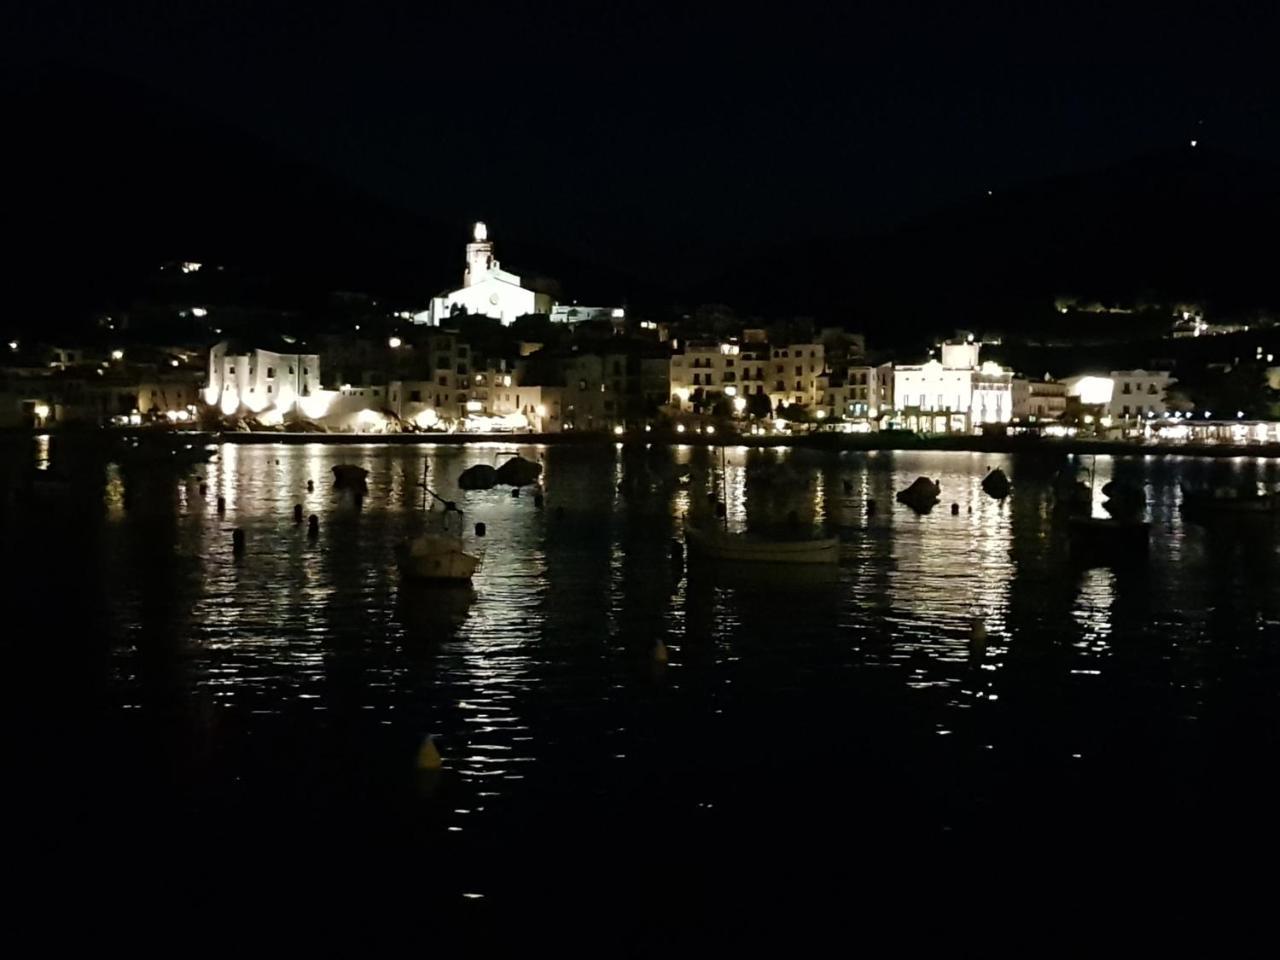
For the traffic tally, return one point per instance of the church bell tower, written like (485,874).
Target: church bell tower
(480,259)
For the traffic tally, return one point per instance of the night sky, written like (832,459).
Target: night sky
(677,142)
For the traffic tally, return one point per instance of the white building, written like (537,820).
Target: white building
(1133,394)
(488,290)
(955,393)
(708,369)
(861,393)
(258,380)
(794,374)
(572,313)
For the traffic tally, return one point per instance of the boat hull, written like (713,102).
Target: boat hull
(439,568)
(436,559)
(738,548)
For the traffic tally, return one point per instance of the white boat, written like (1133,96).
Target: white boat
(436,555)
(717,544)
(436,558)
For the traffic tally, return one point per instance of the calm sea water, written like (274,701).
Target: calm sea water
(164,693)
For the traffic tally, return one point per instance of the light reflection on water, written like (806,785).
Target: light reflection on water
(304,653)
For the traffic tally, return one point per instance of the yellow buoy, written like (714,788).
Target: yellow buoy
(659,652)
(429,756)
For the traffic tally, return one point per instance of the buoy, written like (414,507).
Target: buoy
(955,509)
(204,489)
(222,505)
(311,486)
(659,652)
(237,542)
(515,491)
(313,526)
(480,529)
(297,513)
(537,500)
(429,756)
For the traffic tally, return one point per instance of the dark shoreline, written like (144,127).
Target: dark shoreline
(833,442)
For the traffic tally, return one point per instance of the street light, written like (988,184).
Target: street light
(394,343)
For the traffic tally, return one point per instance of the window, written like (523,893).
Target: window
(728,362)
(231,370)
(779,386)
(784,354)
(1125,410)
(799,371)
(1151,390)
(798,386)
(269,389)
(443,381)
(444,362)
(306,372)
(462,369)
(1127,388)
(291,368)
(271,372)
(779,368)
(812,354)
(415,396)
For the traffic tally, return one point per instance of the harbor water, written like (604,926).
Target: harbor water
(168,697)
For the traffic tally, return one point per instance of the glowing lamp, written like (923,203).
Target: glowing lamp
(117,354)
(41,410)
(394,343)
(739,404)
(679,428)
(617,431)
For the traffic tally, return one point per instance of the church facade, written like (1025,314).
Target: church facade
(487,290)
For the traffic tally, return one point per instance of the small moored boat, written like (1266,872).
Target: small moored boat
(1230,500)
(715,543)
(436,555)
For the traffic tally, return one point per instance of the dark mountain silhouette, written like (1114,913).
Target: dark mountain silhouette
(1191,224)
(110,179)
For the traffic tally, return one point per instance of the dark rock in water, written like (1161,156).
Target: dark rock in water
(519,472)
(1125,493)
(347,476)
(996,484)
(480,477)
(921,495)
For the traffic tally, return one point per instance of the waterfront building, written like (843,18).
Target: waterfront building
(702,373)
(1123,394)
(257,379)
(858,393)
(488,290)
(954,393)
(794,373)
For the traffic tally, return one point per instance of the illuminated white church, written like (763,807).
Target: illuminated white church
(487,289)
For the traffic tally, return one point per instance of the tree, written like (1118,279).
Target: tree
(758,406)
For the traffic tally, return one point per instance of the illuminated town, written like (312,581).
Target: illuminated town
(496,358)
